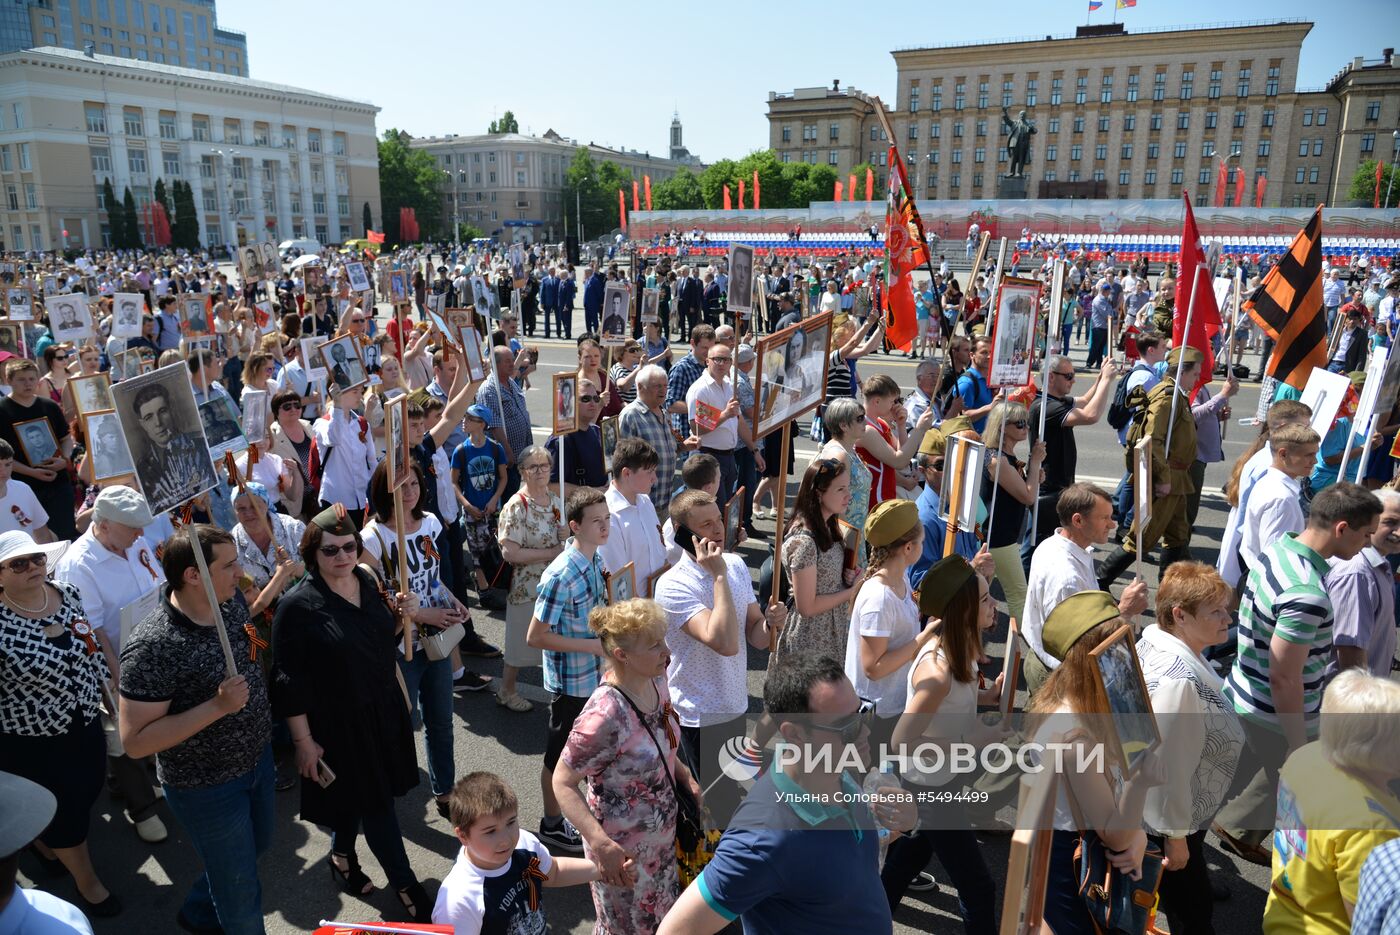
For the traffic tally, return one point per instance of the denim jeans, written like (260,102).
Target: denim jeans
(230,825)
(385,842)
(748,479)
(961,857)
(431,683)
(1098,347)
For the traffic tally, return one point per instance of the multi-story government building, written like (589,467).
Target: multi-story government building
(511,185)
(169,32)
(1118,114)
(266,161)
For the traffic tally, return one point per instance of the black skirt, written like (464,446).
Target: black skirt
(71,765)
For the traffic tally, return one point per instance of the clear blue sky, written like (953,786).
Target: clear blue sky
(613,73)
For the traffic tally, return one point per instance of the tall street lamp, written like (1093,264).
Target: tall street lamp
(456,206)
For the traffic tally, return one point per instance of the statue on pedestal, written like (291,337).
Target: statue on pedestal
(1018,141)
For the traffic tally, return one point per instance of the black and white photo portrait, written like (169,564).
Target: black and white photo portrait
(616,303)
(70,321)
(107,446)
(344,367)
(165,435)
(740,278)
(126,314)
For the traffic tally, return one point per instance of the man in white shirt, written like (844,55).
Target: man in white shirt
(19,508)
(1334,291)
(1275,503)
(114,569)
(720,429)
(708,675)
(1284,412)
(1062,566)
(636,529)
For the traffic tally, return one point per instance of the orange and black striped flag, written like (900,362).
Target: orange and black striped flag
(1288,306)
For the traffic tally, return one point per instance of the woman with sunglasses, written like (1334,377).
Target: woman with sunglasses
(50,731)
(335,638)
(1007,480)
(943,680)
(55,377)
(291,441)
(590,367)
(844,422)
(821,585)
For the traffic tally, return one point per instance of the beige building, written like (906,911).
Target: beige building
(833,126)
(1354,119)
(512,184)
(266,161)
(171,32)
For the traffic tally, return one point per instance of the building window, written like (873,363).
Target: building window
(1264,147)
(1213,92)
(1127,151)
(342,205)
(1307,116)
(338,144)
(957,157)
(1183,120)
(933,131)
(12,199)
(1242,86)
(1150,177)
(167,126)
(785,156)
(1076,152)
(937,102)
(981,94)
(1154,150)
(1373,110)
(1055,91)
(1368,142)
(1236,147)
(1123,177)
(1178,176)
(1180,150)
(1204,177)
(1303,146)
(1130,122)
(96,118)
(979,155)
(913,99)
(933,158)
(1154,122)
(787,134)
(1081,93)
(1322,116)
(913,131)
(955,180)
(957,130)
(136,161)
(1052,152)
(1049,175)
(977,180)
(1211,118)
(1073,175)
(1032,85)
(1078,126)
(170,164)
(318,203)
(101,159)
(1207,149)
(1300,175)
(1006,90)
(981,128)
(206,167)
(1239,119)
(1312,174)
(1101,151)
(1133,88)
(313,141)
(1054,125)
(1271,85)
(1268,117)
(833,157)
(1317,146)
(131,123)
(1103,123)
(1159,86)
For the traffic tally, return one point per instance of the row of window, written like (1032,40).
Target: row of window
(1186,88)
(1078,122)
(240,168)
(1149,177)
(134,125)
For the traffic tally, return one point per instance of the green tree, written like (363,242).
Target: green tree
(184,229)
(859,172)
(368,219)
(163,198)
(714,178)
(131,221)
(408,178)
(1363,185)
(466,233)
(808,183)
(593,186)
(507,124)
(114,218)
(680,192)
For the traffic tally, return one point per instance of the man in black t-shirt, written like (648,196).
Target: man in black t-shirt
(49,478)
(1063,413)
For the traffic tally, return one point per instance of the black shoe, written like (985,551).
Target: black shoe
(352,879)
(561,835)
(473,645)
(469,681)
(922,883)
(416,903)
(1113,566)
(53,867)
(184,922)
(109,907)
(443,806)
(491,599)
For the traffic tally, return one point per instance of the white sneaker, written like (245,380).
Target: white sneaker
(151,830)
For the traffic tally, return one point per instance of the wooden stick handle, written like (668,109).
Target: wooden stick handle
(403,572)
(229,665)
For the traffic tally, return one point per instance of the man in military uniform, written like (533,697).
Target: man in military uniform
(1171,476)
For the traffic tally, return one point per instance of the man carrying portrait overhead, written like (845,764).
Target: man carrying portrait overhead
(174,465)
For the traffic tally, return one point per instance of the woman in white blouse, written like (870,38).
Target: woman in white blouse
(1201,735)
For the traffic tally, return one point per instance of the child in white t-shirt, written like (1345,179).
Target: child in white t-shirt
(494,888)
(19,507)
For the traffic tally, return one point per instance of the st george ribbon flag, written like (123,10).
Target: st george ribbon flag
(906,248)
(1288,307)
(1205,317)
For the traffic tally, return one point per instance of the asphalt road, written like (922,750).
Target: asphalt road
(298,891)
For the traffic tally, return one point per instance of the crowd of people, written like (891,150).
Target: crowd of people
(296,622)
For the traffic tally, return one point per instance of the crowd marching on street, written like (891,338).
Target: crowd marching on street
(254,508)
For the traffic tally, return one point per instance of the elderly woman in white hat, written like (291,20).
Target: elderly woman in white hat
(51,680)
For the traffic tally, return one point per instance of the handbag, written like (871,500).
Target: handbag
(695,839)
(438,644)
(1116,904)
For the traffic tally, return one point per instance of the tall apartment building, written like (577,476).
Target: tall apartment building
(513,183)
(1355,118)
(835,126)
(169,32)
(266,161)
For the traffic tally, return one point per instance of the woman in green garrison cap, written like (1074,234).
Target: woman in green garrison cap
(943,697)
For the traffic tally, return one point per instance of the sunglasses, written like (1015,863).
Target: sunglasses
(720,360)
(331,551)
(536,468)
(22,564)
(850,728)
(288,407)
(1061,373)
(1018,424)
(590,398)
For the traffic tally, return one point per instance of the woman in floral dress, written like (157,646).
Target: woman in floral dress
(623,744)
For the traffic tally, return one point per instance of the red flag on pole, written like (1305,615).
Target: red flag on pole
(727,206)
(1259,185)
(1376,201)
(1239,188)
(1222,178)
(755,189)
(869,184)
(636,206)
(906,248)
(741,194)
(646,187)
(1205,317)
(838,191)
(621,210)
(851,188)
(374,237)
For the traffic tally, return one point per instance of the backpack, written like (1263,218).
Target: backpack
(1121,411)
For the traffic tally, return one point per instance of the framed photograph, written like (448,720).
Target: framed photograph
(740,278)
(127,364)
(1028,866)
(126,314)
(250,263)
(622,584)
(396,441)
(617,303)
(92,393)
(655,577)
(340,358)
(436,302)
(12,338)
(1323,394)
(36,439)
(565,403)
(313,277)
(70,319)
(515,303)
(398,287)
(474,352)
(311,360)
(265,316)
(196,317)
(609,431)
(371,356)
(852,544)
(1011,667)
(355,273)
(1142,488)
(271,260)
(651,305)
(443,328)
(1132,727)
(790,374)
(480,300)
(19,303)
(965,463)
(50,286)
(517,265)
(165,436)
(107,451)
(256,415)
(367,302)
(733,520)
(223,425)
(1013,331)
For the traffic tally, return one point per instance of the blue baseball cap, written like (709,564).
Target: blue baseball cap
(478,411)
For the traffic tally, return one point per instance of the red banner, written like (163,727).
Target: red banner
(869,184)
(837,197)
(1205,317)
(621,210)
(1222,179)
(1259,185)
(727,205)
(636,206)
(373,237)
(851,189)
(906,249)
(646,186)
(741,194)
(755,189)
(1239,188)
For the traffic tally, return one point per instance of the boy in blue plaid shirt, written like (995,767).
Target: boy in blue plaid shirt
(572,585)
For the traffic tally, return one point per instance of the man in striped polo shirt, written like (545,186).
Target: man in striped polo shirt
(1285,637)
